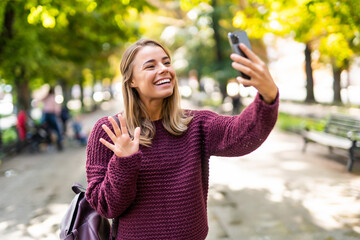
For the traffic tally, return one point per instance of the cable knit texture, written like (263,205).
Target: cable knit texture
(161,191)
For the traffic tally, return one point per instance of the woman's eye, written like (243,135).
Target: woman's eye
(149,67)
(167,63)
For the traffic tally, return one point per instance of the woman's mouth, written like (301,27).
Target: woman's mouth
(162,81)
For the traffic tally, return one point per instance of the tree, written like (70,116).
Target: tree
(20,53)
(342,40)
(196,31)
(52,41)
(332,25)
(282,18)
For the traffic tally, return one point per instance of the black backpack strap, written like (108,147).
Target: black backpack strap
(78,188)
(114,228)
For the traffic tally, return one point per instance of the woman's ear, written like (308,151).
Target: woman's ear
(132,84)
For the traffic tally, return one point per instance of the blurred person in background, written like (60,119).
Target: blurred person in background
(79,135)
(64,116)
(51,116)
(21,126)
(151,170)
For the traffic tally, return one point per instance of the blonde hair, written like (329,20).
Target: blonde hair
(174,120)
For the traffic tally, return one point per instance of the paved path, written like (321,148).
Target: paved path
(36,188)
(279,193)
(275,193)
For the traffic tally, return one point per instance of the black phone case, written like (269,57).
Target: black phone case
(239,37)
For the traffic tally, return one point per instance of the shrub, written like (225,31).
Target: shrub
(9,136)
(296,124)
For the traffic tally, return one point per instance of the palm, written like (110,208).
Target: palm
(123,145)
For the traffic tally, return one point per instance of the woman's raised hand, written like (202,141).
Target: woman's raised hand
(255,68)
(123,145)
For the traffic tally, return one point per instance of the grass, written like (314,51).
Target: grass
(296,124)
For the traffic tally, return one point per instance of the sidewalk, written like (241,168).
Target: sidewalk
(278,193)
(36,188)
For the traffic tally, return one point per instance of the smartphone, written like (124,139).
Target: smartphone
(235,38)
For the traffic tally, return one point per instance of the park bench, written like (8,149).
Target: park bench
(341,131)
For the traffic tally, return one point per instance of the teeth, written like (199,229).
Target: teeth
(162,81)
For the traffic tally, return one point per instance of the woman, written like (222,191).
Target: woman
(51,113)
(152,171)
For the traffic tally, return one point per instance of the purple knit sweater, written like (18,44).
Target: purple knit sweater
(161,191)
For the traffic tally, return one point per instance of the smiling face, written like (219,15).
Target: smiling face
(153,75)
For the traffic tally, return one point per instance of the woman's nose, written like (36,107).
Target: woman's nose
(163,68)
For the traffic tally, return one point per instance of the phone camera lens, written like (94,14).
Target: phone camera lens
(234,39)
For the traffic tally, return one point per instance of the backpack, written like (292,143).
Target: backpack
(82,222)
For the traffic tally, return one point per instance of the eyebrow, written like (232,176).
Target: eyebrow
(153,60)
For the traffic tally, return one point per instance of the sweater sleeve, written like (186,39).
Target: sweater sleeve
(239,135)
(111,180)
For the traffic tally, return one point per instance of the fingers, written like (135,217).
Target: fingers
(107,144)
(123,124)
(252,66)
(250,71)
(245,66)
(245,82)
(122,145)
(116,127)
(136,139)
(109,132)
(137,134)
(239,60)
(119,130)
(250,54)
(252,60)
(257,70)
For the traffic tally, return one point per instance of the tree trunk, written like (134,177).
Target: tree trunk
(337,83)
(66,91)
(219,52)
(23,91)
(309,75)
(215,25)
(7,28)
(81,84)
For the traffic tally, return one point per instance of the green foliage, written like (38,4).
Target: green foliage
(200,37)
(337,47)
(2,12)
(211,102)
(332,24)
(9,136)
(296,124)
(52,41)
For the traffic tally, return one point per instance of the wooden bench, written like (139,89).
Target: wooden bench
(341,131)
